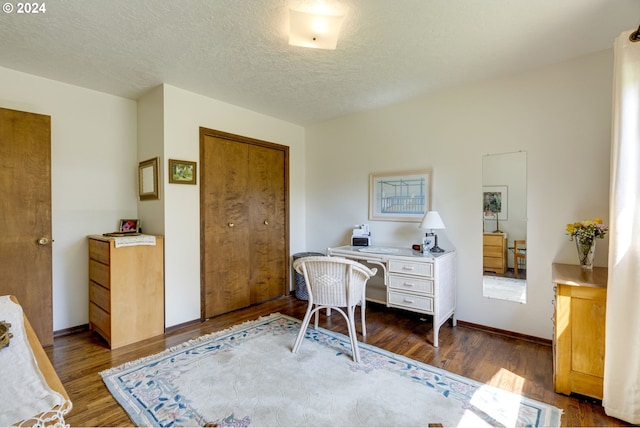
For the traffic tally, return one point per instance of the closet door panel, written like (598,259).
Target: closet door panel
(225,226)
(267,215)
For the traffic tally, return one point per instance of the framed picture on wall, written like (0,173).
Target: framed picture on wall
(182,172)
(495,201)
(400,196)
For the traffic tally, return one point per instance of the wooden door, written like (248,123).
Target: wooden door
(25,216)
(244,221)
(267,213)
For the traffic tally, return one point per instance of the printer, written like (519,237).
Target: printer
(361,236)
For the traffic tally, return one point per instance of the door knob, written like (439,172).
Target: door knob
(43,241)
(231,224)
(266,222)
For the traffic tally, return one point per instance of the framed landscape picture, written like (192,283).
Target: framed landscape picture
(182,172)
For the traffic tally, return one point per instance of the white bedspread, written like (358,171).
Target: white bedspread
(24,392)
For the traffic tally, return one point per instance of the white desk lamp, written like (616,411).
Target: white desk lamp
(432,221)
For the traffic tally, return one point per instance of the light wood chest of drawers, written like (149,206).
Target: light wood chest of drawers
(579,329)
(126,290)
(494,252)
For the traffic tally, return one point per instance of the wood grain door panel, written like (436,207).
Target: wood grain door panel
(225,253)
(25,216)
(267,215)
(244,221)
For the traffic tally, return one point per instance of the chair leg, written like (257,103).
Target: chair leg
(352,334)
(303,328)
(364,325)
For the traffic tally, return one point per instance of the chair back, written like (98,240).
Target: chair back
(334,281)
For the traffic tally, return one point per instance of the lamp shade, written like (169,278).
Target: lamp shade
(312,30)
(432,220)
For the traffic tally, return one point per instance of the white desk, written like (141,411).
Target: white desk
(412,281)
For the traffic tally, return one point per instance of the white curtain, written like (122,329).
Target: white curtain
(622,349)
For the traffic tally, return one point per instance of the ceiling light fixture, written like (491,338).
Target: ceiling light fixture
(314,30)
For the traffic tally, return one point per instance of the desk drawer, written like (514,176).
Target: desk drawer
(410,301)
(411,283)
(411,268)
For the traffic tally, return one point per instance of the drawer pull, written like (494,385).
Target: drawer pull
(408,301)
(409,284)
(407,267)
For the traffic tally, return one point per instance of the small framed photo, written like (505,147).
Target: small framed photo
(129,226)
(182,172)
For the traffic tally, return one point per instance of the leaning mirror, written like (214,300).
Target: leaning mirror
(504,220)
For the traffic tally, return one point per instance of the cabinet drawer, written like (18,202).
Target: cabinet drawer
(100,319)
(411,283)
(99,250)
(492,262)
(496,240)
(100,296)
(410,301)
(493,251)
(411,268)
(99,273)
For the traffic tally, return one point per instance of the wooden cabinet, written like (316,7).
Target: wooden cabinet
(126,290)
(244,221)
(494,252)
(414,281)
(579,329)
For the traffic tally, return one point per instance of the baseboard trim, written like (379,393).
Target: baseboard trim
(512,334)
(182,325)
(71,330)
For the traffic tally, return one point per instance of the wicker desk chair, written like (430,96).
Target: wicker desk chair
(334,283)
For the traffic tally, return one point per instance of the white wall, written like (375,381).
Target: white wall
(184,113)
(93,175)
(560,115)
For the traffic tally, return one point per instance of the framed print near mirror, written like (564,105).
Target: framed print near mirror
(182,172)
(148,179)
(400,196)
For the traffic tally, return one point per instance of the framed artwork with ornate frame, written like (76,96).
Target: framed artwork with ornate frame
(148,179)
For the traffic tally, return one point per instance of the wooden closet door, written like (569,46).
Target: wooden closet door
(267,214)
(244,221)
(25,216)
(225,256)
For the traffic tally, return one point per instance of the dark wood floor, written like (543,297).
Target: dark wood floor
(517,365)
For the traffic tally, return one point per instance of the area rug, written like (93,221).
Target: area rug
(498,287)
(248,376)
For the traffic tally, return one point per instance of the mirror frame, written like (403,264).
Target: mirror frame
(148,179)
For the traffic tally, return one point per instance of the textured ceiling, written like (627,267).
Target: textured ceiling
(236,51)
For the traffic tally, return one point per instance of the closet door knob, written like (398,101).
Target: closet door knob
(43,241)
(231,224)
(266,222)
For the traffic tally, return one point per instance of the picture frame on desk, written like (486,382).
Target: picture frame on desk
(129,225)
(400,196)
